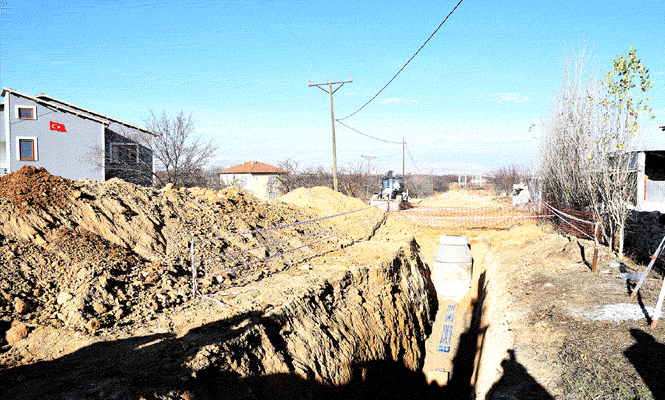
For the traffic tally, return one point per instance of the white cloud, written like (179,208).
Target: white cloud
(508,98)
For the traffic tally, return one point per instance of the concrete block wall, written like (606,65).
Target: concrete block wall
(644,232)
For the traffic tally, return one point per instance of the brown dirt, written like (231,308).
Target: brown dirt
(31,187)
(537,301)
(93,270)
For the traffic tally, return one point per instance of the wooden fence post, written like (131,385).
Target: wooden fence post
(594,267)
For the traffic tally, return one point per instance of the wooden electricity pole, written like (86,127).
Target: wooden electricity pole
(332,120)
(403,158)
(368,158)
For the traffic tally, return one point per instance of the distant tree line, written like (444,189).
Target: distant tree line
(358,180)
(504,178)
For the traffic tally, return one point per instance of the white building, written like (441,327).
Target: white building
(254,177)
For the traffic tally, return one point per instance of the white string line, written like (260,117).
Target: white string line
(477,218)
(557,212)
(414,210)
(279,226)
(204,259)
(567,215)
(208,296)
(288,251)
(270,244)
(193,242)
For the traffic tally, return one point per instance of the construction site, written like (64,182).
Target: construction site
(115,291)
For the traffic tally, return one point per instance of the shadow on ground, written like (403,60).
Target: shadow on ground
(648,357)
(154,366)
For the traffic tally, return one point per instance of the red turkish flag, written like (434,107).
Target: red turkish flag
(58,127)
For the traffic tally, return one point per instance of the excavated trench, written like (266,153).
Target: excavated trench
(353,323)
(349,330)
(364,331)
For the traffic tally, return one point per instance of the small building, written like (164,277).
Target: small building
(255,177)
(70,141)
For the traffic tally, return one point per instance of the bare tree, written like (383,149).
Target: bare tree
(354,180)
(122,155)
(167,151)
(419,185)
(567,139)
(441,183)
(310,177)
(178,153)
(317,176)
(292,180)
(505,177)
(590,139)
(210,178)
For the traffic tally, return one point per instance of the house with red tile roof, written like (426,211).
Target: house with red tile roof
(257,178)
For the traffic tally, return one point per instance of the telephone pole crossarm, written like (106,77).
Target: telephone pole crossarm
(330,83)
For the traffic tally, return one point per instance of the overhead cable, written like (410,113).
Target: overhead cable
(369,136)
(404,66)
(412,160)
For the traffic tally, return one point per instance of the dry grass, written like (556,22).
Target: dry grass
(595,366)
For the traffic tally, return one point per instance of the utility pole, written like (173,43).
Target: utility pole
(403,155)
(368,158)
(332,120)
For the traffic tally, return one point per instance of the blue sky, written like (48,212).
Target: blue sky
(464,104)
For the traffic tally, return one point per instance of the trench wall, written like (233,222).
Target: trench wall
(361,314)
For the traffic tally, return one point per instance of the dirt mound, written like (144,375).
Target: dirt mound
(153,224)
(91,255)
(93,269)
(325,202)
(322,200)
(35,187)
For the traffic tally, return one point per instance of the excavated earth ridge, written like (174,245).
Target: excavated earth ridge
(96,296)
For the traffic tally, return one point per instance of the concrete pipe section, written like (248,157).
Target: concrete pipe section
(451,276)
(452,269)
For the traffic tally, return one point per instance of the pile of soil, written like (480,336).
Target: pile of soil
(35,187)
(96,295)
(96,256)
(323,200)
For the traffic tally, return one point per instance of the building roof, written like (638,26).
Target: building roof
(57,107)
(253,167)
(54,100)
(72,109)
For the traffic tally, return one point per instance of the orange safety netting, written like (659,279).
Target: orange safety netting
(470,217)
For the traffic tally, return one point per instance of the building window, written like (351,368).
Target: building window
(26,112)
(126,153)
(27,150)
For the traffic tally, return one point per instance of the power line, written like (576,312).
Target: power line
(369,136)
(412,160)
(404,66)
